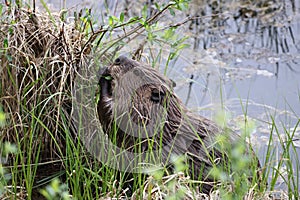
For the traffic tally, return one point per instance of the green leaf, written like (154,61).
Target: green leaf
(1,171)
(184,5)
(10,148)
(156,172)
(133,19)
(157,6)
(2,119)
(122,17)
(175,44)
(144,12)
(110,21)
(173,55)
(115,18)
(168,34)
(1,9)
(183,46)
(9,57)
(172,12)
(109,78)
(151,36)
(5,41)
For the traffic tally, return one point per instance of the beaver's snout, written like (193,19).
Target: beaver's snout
(105,89)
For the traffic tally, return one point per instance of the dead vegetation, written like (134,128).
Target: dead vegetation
(38,61)
(39,58)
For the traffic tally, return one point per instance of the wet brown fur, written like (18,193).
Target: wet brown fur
(183,132)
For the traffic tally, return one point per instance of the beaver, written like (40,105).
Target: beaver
(139,111)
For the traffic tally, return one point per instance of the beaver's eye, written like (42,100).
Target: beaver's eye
(157,95)
(117,61)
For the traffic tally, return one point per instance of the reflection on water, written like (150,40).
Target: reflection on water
(245,54)
(259,44)
(256,50)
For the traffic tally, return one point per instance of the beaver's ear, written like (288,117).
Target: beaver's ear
(157,95)
(173,83)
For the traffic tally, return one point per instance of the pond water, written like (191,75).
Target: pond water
(244,57)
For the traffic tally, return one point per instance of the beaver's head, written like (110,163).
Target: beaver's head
(135,94)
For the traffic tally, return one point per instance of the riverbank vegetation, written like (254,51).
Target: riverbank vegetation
(42,156)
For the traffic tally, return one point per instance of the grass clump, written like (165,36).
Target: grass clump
(39,59)
(243,172)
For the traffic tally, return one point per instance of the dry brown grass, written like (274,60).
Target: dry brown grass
(39,59)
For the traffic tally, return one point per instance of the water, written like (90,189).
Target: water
(248,59)
(244,57)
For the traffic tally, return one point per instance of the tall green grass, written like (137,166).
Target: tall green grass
(285,165)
